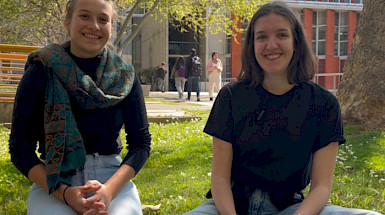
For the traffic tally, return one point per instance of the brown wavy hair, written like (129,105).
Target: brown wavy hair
(302,66)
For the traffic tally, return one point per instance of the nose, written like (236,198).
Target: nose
(272,43)
(94,25)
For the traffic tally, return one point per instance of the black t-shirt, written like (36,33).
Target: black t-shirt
(274,136)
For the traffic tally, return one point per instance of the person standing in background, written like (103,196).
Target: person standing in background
(193,73)
(160,75)
(214,68)
(178,74)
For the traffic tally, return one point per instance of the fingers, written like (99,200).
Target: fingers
(96,208)
(92,186)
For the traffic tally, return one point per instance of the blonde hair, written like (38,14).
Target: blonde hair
(70,6)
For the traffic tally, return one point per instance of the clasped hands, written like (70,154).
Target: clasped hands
(76,198)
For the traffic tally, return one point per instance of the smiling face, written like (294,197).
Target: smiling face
(90,27)
(215,56)
(273,44)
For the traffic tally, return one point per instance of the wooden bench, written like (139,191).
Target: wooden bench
(12,61)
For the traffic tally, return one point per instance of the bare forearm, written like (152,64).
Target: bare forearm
(314,202)
(120,179)
(38,175)
(223,196)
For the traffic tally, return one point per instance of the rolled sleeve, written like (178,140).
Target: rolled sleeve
(220,123)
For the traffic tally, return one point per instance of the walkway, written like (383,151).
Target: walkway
(166,107)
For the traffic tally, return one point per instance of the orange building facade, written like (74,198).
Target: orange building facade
(329,26)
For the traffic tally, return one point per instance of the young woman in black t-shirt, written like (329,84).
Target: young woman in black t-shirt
(274,131)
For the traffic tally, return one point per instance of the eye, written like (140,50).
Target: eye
(283,35)
(83,16)
(260,37)
(104,20)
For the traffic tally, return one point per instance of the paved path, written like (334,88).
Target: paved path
(170,106)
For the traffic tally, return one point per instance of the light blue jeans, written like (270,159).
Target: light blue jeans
(97,167)
(260,204)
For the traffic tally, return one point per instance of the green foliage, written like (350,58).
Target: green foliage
(177,174)
(14,186)
(39,22)
(147,76)
(31,22)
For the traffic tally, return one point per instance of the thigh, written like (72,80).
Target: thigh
(331,210)
(178,82)
(219,82)
(41,203)
(290,210)
(207,208)
(127,202)
(196,81)
(189,82)
(337,210)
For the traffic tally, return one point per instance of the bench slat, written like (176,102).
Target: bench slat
(4,75)
(7,99)
(12,58)
(9,85)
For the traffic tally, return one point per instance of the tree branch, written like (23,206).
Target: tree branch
(125,24)
(137,28)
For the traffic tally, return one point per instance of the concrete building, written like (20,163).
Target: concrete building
(329,25)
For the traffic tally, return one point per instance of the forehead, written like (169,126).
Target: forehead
(100,7)
(272,22)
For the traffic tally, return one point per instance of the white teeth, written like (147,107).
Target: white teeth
(91,36)
(273,56)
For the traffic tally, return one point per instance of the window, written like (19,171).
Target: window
(227,74)
(319,32)
(341,34)
(228,44)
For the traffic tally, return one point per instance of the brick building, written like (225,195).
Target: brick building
(329,26)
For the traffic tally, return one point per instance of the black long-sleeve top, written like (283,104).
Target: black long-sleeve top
(99,128)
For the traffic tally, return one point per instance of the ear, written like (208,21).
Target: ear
(67,25)
(112,30)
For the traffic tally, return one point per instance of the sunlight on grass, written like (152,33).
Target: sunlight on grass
(177,174)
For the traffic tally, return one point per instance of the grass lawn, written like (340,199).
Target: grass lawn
(177,174)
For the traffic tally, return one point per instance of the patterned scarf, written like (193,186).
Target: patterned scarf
(64,145)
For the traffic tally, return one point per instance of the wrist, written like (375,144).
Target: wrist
(59,192)
(64,195)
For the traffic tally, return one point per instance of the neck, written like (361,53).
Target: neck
(277,86)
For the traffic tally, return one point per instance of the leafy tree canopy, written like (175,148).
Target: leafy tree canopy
(39,22)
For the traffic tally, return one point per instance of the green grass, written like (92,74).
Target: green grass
(177,174)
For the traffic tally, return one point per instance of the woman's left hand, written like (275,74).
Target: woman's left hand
(101,197)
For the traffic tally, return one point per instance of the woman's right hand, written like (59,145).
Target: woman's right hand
(76,199)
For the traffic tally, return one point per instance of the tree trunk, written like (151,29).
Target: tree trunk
(361,92)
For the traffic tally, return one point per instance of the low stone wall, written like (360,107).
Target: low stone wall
(6,109)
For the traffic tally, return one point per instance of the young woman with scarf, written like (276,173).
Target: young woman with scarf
(72,102)
(274,131)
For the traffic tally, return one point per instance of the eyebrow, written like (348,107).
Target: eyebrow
(279,30)
(87,11)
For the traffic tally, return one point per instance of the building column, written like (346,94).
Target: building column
(331,62)
(308,24)
(351,29)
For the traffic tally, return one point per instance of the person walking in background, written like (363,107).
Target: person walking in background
(193,73)
(178,74)
(274,131)
(214,68)
(72,102)
(160,77)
